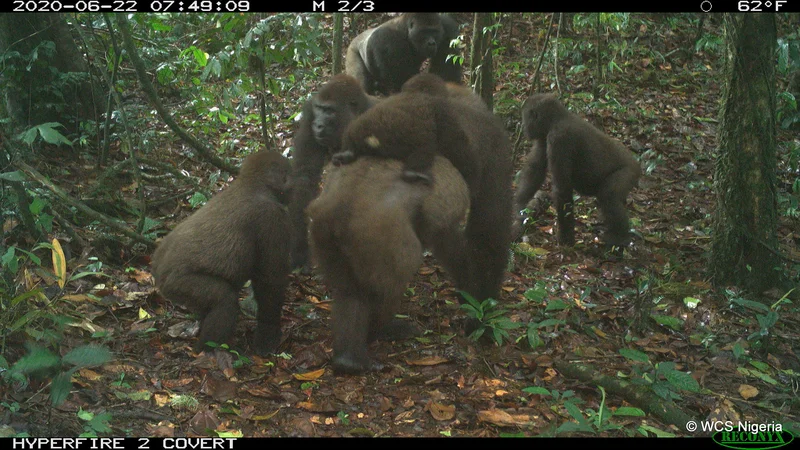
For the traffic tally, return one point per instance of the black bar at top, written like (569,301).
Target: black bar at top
(383,6)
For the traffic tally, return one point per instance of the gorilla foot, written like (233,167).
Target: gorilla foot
(348,365)
(343,158)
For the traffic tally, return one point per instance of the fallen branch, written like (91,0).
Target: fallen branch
(115,224)
(640,396)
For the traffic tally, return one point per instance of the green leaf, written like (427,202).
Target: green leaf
(99,423)
(576,414)
(656,431)
(691,302)
(556,305)
(536,390)
(200,56)
(37,360)
(682,380)
(537,294)
(669,321)
(629,411)
(85,415)
(9,260)
(197,200)
(88,356)
(51,135)
(750,304)
(13,176)
(634,355)
(550,323)
(60,387)
(534,340)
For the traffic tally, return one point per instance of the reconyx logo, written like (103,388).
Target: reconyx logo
(741,439)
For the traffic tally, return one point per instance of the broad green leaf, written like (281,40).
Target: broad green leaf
(38,359)
(629,411)
(682,380)
(669,321)
(51,135)
(556,305)
(13,176)
(634,355)
(88,355)
(60,387)
(536,390)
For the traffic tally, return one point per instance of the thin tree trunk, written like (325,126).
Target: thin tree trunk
(206,153)
(481,76)
(338,32)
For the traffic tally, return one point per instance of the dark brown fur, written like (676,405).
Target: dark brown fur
(580,157)
(319,134)
(383,58)
(367,232)
(239,235)
(414,126)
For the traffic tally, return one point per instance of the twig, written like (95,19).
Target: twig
(534,85)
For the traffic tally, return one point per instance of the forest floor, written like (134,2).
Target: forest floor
(587,324)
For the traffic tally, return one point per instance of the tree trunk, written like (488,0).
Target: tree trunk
(481,74)
(745,219)
(338,32)
(34,92)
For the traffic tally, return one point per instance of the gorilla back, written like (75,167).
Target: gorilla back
(239,235)
(367,232)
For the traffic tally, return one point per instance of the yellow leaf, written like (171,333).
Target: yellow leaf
(599,332)
(143,314)
(747,392)
(309,376)
(78,298)
(265,417)
(59,263)
(90,375)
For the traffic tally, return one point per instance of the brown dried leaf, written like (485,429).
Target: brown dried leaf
(180,382)
(142,277)
(325,407)
(143,325)
(202,421)
(348,394)
(425,270)
(309,376)
(427,361)
(163,429)
(220,390)
(502,418)
(440,411)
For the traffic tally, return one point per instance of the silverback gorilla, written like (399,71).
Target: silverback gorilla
(319,135)
(367,232)
(239,235)
(579,157)
(426,120)
(384,57)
